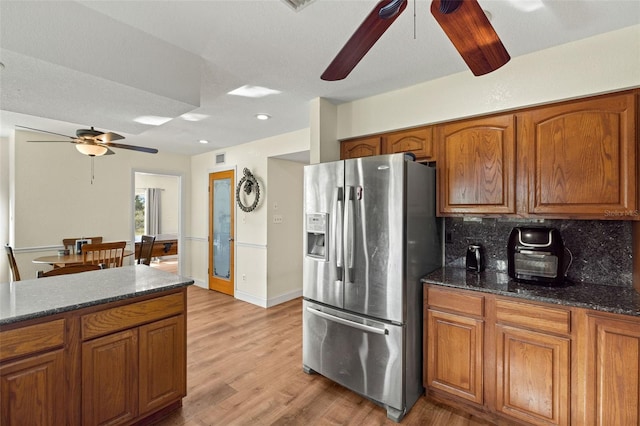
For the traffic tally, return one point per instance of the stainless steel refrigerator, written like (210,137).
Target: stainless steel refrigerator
(370,235)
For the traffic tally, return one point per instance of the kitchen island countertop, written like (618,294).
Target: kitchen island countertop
(28,299)
(615,299)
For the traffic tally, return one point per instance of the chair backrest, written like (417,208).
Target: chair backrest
(70,243)
(12,263)
(71,269)
(146,248)
(109,255)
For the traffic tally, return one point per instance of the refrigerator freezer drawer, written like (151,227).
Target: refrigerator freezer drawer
(360,354)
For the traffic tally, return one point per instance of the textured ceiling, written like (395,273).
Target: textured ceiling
(72,65)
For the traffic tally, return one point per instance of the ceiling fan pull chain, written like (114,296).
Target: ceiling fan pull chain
(391,10)
(449,6)
(92,169)
(414,19)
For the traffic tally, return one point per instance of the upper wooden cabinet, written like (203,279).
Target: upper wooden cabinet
(476,166)
(581,157)
(417,141)
(363,147)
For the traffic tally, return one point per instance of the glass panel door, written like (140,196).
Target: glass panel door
(221,227)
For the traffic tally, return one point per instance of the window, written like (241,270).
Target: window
(139,211)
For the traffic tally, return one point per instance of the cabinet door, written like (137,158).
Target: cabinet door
(110,378)
(162,363)
(613,376)
(417,141)
(476,166)
(356,148)
(532,376)
(454,355)
(33,391)
(582,158)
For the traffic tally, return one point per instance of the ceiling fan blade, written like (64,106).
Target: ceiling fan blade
(44,131)
(472,34)
(131,147)
(108,137)
(369,31)
(109,152)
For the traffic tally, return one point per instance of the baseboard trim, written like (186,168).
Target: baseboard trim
(268,303)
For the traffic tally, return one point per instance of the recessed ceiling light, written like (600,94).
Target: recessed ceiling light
(253,91)
(191,116)
(527,5)
(203,141)
(263,116)
(152,120)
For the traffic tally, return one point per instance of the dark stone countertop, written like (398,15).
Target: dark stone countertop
(619,300)
(41,297)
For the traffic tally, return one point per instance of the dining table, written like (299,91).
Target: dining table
(67,259)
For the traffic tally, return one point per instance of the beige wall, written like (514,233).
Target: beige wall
(284,237)
(604,63)
(251,239)
(54,197)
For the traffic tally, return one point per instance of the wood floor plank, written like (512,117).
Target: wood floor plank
(244,367)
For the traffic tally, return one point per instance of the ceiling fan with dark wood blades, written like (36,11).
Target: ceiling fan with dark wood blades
(95,143)
(463,21)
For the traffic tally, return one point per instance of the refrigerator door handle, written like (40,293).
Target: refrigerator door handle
(363,327)
(348,232)
(338,234)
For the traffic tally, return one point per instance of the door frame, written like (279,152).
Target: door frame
(233,169)
(181,216)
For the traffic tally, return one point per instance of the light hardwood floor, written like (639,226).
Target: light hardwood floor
(244,367)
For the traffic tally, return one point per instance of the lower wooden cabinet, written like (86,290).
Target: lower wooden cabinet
(613,370)
(530,363)
(454,346)
(120,363)
(162,363)
(33,391)
(110,379)
(532,376)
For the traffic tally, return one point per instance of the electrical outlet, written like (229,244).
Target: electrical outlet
(244,277)
(277,218)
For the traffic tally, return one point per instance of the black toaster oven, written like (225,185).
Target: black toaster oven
(536,255)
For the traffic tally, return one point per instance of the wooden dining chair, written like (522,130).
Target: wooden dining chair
(12,263)
(108,255)
(70,243)
(72,269)
(146,248)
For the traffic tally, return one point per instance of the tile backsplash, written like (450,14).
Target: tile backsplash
(602,250)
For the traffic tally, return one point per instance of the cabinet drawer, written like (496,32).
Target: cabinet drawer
(127,316)
(456,301)
(31,339)
(537,317)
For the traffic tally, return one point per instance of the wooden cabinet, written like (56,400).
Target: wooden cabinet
(362,147)
(110,379)
(162,358)
(33,374)
(454,343)
(417,141)
(613,370)
(533,366)
(476,166)
(498,357)
(119,363)
(581,157)
(35,390)
(129,373)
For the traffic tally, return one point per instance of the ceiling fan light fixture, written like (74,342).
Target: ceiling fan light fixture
(92,150)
